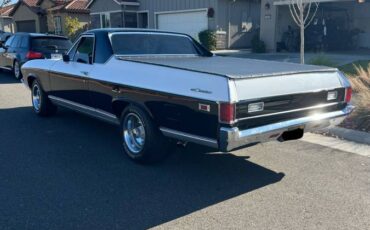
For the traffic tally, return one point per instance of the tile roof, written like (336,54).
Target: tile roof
(77,5)
(32,3)
(73,6)
(6,10)
(119,2)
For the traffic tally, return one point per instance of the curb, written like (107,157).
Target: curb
(348,134)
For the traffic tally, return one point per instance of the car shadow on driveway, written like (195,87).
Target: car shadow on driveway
(69,172)
(6,77)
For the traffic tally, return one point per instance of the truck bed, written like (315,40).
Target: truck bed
(233,68)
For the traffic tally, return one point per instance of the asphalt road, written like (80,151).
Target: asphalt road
(68,172)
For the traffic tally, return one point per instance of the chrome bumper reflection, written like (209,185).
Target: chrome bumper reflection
(232,138)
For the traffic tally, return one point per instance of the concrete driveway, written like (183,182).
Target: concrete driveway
(68,172)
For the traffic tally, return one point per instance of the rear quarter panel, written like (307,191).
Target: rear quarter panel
(172,96)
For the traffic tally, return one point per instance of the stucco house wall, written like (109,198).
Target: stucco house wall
(84,20)
(230,17)
(7,24)
(24,13)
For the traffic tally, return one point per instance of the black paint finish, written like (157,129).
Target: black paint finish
(288,102)
(172,111)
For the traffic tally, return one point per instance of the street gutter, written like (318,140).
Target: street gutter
(348,134)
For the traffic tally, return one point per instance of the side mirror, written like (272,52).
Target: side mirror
(66,58)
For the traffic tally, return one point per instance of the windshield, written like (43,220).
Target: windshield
(51,44)
(152,44)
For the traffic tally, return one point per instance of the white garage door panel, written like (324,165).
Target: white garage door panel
(187,22)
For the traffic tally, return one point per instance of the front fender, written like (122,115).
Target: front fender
(38,69)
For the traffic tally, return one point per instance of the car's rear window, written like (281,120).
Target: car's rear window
(152,44)
(50,43)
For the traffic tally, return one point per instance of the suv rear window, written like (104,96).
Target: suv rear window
(50,44)
(152,44)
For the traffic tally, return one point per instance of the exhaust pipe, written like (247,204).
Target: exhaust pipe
(291,135)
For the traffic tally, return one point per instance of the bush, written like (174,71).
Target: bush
(208,39)
(361,87)
(258,46)
(322,60)
(73,27)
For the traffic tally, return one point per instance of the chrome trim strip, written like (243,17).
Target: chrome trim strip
(232,138)
(290,111)
(189,137)
(144,56)
(102,115)
(6,68)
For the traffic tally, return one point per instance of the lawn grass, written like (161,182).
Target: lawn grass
(350,70)
(322,60)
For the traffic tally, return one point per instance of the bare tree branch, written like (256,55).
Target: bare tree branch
(294,14)
(313,15)
(303,14)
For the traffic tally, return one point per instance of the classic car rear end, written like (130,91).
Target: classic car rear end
(288,106)
(158,84)
(269,100)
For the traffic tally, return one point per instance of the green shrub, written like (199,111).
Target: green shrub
(322,60)
(208,39)
(73,27)
(258,46)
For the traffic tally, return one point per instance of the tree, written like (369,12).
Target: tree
(73,27)
(303,13)
(2,4)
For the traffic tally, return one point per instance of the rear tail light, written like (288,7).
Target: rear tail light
(348,95)
(34,55)
(227,113)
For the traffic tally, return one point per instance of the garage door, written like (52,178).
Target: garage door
(185,22)
(26,26)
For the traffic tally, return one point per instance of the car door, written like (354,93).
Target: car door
(11,52)
(69,79)
(4,52)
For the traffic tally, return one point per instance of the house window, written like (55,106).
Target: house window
(105,20)
(142,20)
(130,19)
(58,25)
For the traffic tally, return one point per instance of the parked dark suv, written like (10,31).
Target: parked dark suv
(22,47)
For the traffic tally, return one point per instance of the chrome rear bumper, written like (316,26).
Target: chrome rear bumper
(233,138)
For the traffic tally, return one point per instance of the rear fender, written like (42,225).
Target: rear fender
(120,103)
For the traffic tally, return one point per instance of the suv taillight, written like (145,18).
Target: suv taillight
(348,95)
(34,55)
(227,113)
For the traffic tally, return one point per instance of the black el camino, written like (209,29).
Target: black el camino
(161,86)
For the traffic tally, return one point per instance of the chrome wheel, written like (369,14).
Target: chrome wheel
(133,133)
(17,70)
(36,97)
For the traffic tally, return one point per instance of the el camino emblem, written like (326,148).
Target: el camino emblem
(204,107)
(201,91)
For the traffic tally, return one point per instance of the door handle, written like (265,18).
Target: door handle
(116,89)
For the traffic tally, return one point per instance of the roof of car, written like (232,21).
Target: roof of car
(113,30)
(40,35)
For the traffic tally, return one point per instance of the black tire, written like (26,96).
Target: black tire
(154,147)
(17,70)
(40,101)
